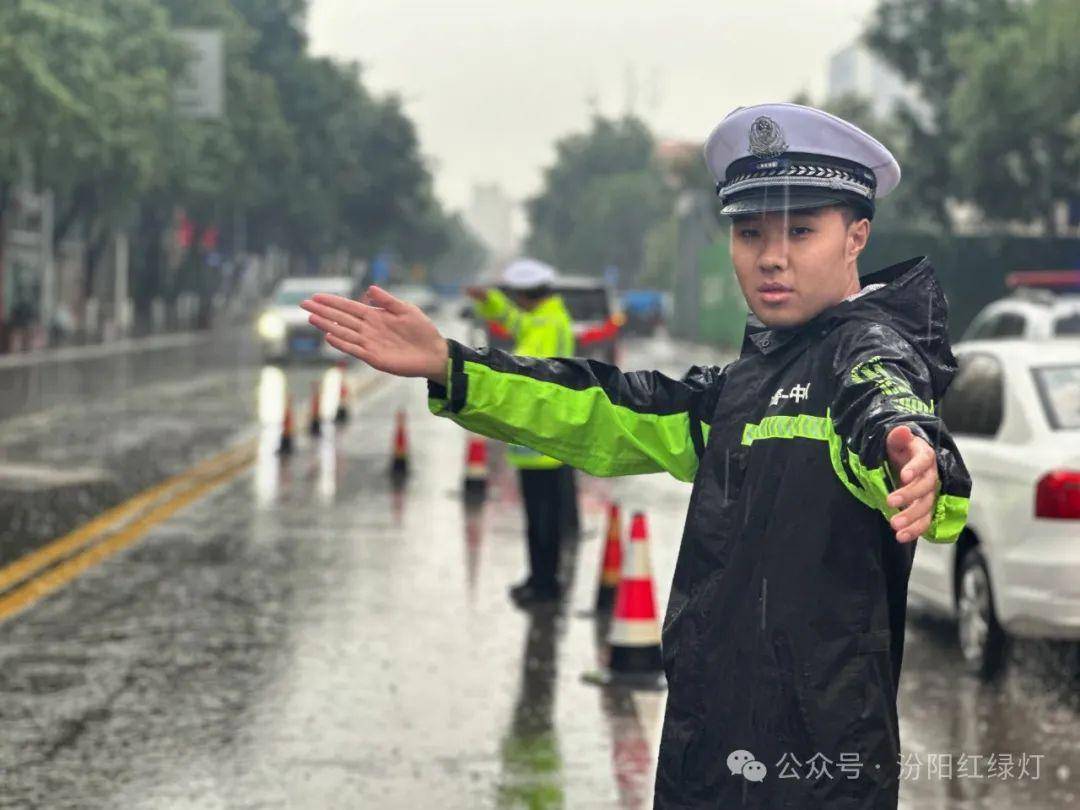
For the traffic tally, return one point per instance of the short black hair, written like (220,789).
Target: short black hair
(850,213)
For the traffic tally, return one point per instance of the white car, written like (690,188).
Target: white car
(284,331)
(1044,304)
(1014,410)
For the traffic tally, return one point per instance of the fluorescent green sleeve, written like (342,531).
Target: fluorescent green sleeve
(585,413)
(880,383)
(497,307)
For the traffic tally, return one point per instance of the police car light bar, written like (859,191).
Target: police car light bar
(1056,280)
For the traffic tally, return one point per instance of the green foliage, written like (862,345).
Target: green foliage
(916,40)
(998,122)
(56,67)
(600,198)
(1016,163)
(305,157)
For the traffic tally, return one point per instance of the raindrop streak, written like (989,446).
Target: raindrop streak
(929,311)
(764,599)
(727,473)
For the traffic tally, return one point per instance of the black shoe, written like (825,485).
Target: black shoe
(523,587)
(529,594)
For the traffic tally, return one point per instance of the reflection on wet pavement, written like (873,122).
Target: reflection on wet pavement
(1011,743)
(531,759)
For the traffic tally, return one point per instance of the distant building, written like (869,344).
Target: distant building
(855,70)
(490,215)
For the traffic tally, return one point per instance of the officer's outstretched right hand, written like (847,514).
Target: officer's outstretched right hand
(385,332)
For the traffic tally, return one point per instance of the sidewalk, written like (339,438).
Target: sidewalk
(38,381)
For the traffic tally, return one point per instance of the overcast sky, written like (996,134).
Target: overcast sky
(492,85)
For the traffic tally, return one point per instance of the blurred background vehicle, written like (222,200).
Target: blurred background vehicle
(283,328)
(645,310)
(424,297)
(597,319)
(1044,304)
(1014,409)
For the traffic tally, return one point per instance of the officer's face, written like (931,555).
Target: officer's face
(792,265)
(526,302)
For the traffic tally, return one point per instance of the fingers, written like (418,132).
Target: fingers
(915,524)
(913,510)
(356,350)
(898,439)
(328,313)
(339,304)
(381,298)
(919,464)
(919,476)
(336,329)
(924,483)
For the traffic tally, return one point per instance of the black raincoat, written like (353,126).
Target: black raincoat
(784,631)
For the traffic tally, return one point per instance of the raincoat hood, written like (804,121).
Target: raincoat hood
(911,302)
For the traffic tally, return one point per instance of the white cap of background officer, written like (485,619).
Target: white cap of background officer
(786,157)
(528,274)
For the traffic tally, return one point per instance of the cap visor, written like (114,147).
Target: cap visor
(761,202)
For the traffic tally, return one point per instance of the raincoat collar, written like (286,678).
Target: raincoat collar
(911,302)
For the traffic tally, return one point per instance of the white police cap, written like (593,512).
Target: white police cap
(527,274)
(783,157)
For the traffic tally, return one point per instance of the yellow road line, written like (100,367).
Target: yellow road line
(55,578)
(65,546)
(49,568)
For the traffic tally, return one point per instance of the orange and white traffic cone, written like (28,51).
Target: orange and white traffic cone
(476,469)
(342,415)
(635,632)
(315,428)
(285,446)
(400,466)
(610,563)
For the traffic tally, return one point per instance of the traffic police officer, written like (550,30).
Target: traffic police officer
(817,458)
(540,325)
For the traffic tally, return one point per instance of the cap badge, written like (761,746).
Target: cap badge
(766,138)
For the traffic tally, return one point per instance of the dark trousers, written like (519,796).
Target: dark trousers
(543,493)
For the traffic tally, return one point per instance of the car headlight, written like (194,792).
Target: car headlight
(271,326)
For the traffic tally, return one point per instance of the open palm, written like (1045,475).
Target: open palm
(383,331)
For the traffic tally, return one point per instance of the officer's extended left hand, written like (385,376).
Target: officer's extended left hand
(915,465)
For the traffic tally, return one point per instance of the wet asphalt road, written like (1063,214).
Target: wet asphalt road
(306,635)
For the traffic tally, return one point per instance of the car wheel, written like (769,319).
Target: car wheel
(982,639)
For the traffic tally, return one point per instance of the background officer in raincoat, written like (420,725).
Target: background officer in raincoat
(539,323)
(817,458)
